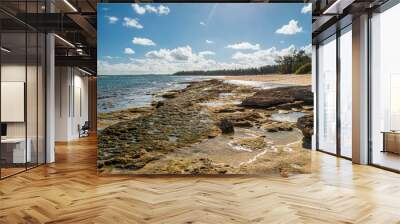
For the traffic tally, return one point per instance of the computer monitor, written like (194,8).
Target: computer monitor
(3,129)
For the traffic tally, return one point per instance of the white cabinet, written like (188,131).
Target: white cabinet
(19,155)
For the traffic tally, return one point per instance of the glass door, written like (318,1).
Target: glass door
(327,95)
(385,89)
(14,154)
(22,78)
(346,95)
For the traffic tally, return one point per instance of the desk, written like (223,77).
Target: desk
(16,147)
(391,141)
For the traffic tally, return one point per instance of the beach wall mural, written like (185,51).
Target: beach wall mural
(204,89)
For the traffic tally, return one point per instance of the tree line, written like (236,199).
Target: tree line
(297,63)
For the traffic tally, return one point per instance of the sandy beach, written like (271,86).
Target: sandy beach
(276,79)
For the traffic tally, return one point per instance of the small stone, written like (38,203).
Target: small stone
(222,171)
(243,124)
(226,126)
(159,104)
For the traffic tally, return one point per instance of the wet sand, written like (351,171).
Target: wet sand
(275,79)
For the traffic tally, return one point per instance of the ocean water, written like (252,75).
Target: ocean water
(116,92)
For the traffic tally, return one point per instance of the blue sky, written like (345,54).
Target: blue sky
(165,38)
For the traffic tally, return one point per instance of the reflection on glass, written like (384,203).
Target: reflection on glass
(22,91)
(31,101)
(41,99)
(14,153)
(385,89)
(327,95)
(346,93)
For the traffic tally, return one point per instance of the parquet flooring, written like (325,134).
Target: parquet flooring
(69,191)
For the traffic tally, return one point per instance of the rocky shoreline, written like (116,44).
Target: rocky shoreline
(210,127)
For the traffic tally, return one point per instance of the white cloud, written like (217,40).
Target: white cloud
(307,49)
(129,51)
(163,10)
(176,54)
(143,41)
(290,29)
(204,53)
(161,54)
(160,10)
(263,57)
(168,61)
(244,46)
(139,9)
(129,22)
(150,8)
(209,41)
(307,8)
(282,41)
(112,19)
(111,57)
(202,23)
(182,53)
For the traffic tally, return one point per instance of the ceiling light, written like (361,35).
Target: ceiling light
(79,51)
(64,40)
(86,72)
(70,5)
(5,50)
(337,7)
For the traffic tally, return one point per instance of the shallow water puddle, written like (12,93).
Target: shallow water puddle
(225,95)
(172,138)
(256,84)
(225,149)
(219,103)
(288,117)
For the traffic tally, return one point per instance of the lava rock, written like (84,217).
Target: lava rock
(280,96)
(306,125)
(170,95)
(243,124)
(159,104)
(226,126)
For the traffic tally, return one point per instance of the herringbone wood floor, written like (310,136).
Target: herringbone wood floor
(70,191)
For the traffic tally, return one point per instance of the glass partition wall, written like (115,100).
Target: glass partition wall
(345,61)
(334,94)
(22,77)
(385,89)
(327,95)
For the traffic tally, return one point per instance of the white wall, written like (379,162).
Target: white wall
(33,126)
(71,87)
(80,104)
(14,72)
(62,81)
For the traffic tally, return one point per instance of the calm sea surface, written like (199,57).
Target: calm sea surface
(116,92)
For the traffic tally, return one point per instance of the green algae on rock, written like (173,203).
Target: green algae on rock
(170,136)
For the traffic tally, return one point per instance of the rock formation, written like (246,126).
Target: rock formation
(306,124)
(285,97)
